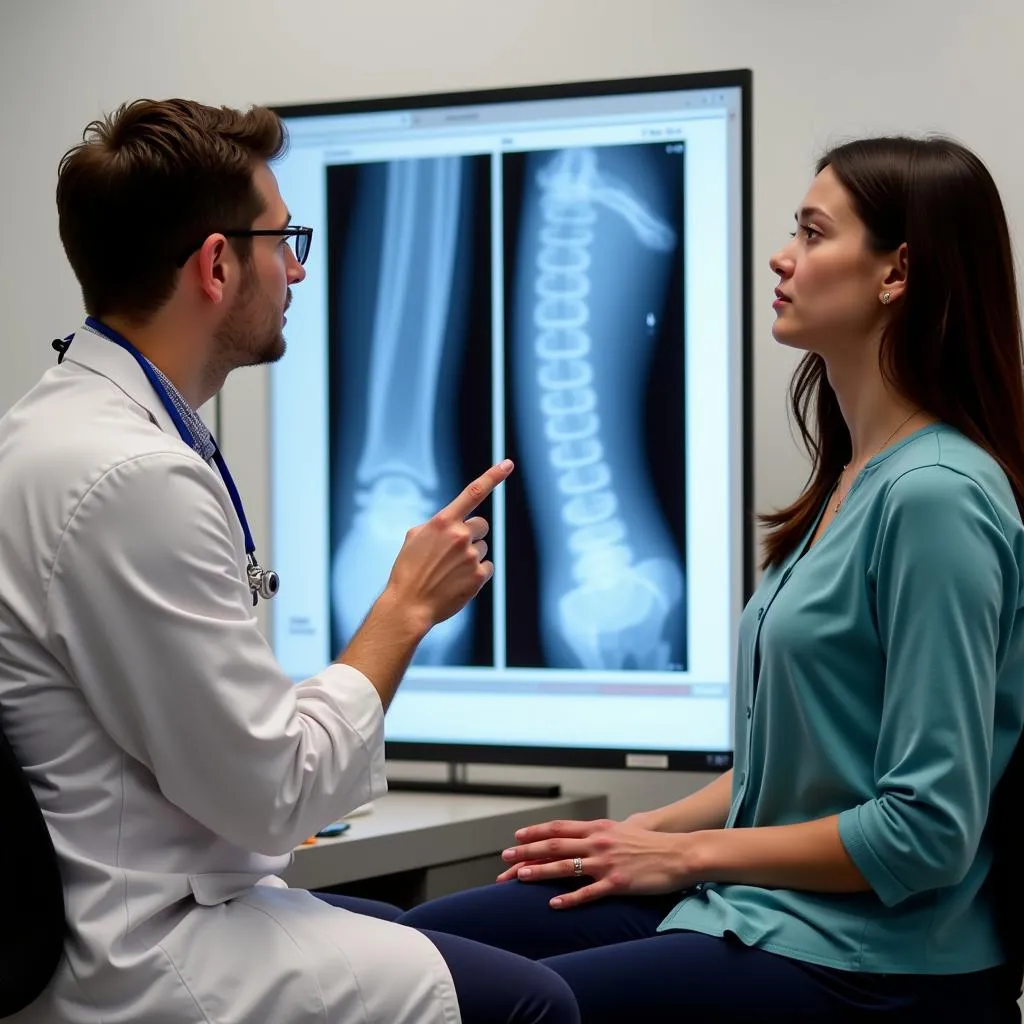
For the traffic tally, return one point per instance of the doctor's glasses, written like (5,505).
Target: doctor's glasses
(300,239)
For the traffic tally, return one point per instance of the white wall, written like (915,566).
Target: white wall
(823,69)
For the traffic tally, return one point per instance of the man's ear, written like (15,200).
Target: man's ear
(213,267)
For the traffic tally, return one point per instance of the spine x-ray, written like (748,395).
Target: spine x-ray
(592,380)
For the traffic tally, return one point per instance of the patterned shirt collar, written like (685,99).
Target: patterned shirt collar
(202,439)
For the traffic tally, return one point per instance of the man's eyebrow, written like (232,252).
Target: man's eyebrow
(287,219)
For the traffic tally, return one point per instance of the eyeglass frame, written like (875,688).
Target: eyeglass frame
(291,231)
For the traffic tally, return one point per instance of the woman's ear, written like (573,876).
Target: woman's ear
(894,283)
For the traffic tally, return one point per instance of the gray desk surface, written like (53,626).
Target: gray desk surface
(410,831)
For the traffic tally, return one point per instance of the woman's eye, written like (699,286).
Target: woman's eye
(807,231)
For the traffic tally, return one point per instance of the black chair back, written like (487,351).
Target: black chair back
(1006,880)
(32,922)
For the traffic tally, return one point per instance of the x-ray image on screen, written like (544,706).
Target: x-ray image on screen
(409,314)
(594,360)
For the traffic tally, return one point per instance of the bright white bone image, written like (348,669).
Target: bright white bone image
(612,582)
(397,485)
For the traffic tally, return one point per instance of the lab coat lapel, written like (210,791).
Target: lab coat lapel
(96,353)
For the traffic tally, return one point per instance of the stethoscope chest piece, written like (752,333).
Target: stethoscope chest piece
(263,583)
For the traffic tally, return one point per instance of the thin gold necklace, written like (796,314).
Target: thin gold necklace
(839,483)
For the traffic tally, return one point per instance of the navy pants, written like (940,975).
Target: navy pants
(492,986)
(622,970)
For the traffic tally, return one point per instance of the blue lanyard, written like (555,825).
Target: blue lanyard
(186,435)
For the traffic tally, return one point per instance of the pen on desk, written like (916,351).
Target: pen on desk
(336,828)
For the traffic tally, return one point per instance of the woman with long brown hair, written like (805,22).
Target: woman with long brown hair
(844,868)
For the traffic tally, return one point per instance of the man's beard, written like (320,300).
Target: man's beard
(251,332)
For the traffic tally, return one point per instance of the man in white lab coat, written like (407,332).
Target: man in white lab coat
(175,763)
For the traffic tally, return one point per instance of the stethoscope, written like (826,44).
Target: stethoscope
(263,583)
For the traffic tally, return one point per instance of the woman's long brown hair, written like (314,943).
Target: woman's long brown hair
(953,346)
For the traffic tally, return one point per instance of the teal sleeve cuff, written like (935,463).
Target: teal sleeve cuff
(889,889)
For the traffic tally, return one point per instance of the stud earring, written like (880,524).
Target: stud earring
(885,298)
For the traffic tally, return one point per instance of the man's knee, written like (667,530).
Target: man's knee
(497,987)
(551,1002)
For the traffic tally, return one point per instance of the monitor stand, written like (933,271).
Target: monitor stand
(458,783)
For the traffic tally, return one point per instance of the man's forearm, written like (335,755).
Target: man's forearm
(708,808)
(385,643)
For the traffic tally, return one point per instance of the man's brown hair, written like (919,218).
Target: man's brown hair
(145,188)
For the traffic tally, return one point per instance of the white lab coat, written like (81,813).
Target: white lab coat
(177,766)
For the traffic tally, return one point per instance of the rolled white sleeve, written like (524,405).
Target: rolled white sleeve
(149,612)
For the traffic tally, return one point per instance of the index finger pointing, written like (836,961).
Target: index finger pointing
(477,491)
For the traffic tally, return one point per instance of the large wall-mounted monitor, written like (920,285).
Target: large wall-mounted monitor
(559,275)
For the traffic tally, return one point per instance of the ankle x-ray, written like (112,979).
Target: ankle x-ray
(531,307)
